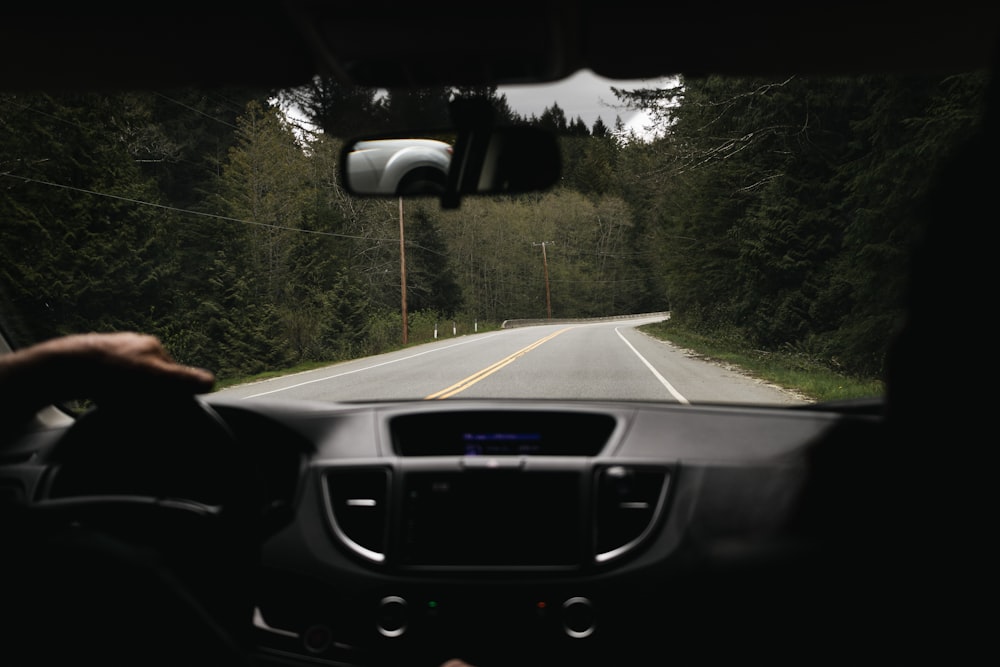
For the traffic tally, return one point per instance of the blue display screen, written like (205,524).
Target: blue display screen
(490,444)
(501,432)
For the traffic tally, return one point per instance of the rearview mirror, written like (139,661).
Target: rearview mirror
(396,166)
(476,161)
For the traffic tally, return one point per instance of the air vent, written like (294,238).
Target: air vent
(357,503)
(628,501)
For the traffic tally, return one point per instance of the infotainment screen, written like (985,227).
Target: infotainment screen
(492,518)
(492,443)
(501,432)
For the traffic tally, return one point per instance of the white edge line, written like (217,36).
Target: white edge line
(673,392)
(368,368)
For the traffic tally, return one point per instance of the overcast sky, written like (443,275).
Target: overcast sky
(584,94)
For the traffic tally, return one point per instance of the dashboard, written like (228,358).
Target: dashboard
(528,532)
(504,532)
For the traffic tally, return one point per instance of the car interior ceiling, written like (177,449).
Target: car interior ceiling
(909,543)
(283,44)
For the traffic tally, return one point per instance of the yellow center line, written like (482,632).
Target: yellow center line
(462,385)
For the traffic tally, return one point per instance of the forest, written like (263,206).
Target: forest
(779,213)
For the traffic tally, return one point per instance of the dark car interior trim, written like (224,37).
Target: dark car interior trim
(695,534)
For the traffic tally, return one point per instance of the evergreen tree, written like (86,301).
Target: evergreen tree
(265,189)
(599,129)
(84,251)
(577,128)
(431,283)
(553,118)
(339,110)
(504,114)
(422,109)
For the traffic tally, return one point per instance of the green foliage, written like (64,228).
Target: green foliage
(431,283)
(796,371)
(787,208)
(76,245)
(777,215)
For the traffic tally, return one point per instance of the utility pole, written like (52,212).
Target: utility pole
(545,265)
(402,269)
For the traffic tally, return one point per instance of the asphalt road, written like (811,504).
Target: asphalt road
(592,360)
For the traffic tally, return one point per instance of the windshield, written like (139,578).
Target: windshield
(709,239)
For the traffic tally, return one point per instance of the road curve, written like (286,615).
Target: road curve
(607,359)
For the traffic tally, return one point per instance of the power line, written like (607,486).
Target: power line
(174,209)
(197,111)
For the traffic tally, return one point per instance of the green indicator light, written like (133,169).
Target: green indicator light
(432,604)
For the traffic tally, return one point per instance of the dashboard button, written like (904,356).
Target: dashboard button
(579,619)
(317,639)
(392,616)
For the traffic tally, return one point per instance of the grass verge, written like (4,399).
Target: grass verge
(222,383)
(795,372)
(419,334)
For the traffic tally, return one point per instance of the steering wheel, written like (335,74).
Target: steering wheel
(165,478)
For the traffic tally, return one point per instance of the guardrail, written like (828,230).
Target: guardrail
(511,324)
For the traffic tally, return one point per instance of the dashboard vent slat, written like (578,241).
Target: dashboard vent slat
(357,503)
(628,500)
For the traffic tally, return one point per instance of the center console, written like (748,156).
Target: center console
(510,492)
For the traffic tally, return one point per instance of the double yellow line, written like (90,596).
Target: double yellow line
(462,385)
